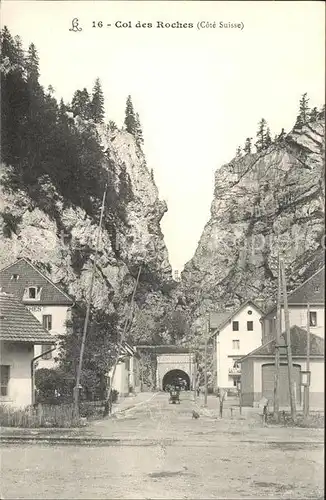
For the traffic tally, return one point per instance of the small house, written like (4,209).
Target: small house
(48,303)
(20,332)
(258,370)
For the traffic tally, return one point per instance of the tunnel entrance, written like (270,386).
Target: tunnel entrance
(176,377)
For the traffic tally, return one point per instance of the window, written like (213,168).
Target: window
(5,376)
(46,347)
(32,293)
(235,344)
(313,318)
(250,326)
(235,326)
(47,321)
(249,312)
(15,277)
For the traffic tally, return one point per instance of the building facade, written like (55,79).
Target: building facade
(20,335)
(236,333)
(311,292)
(258,371)
(50,305)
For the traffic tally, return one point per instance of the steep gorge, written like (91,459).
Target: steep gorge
(264,203)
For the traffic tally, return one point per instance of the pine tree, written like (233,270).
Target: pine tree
(299,122)
(303,108)
(247,148)
(130,118)
(261,135)
(268,139)
(138,131)
(282,134)
(32,65)
(313,115)
(81,104)
(7,44)
(112,125)
(97,105)
(18,52)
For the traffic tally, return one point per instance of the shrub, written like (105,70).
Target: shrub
(10,223)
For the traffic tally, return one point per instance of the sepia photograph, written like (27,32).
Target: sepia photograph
(162,249)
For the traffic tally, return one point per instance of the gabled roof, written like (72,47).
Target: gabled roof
(218,320)
(29,275)
(298,345)
(17,324)
(312,291)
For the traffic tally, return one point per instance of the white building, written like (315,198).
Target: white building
(126,376)
(236,333)
(50,305)
(20,334)
(312,291)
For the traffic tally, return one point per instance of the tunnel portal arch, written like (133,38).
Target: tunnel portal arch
(176,377)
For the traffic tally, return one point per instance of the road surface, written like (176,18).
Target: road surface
(165,454)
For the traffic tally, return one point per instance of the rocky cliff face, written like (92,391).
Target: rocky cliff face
(65,248)
(264,203)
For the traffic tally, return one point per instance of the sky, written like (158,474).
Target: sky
(199,92)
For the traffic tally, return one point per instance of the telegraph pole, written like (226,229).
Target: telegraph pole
(205,373)
(82,348)
(306,388)
(277,347)
(288,342)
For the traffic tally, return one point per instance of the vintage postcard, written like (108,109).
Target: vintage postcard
(162,235)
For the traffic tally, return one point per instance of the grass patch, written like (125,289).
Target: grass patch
(316,420)
(39,416)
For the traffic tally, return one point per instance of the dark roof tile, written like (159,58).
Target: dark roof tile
(28,276)
(17,324)
(298,344)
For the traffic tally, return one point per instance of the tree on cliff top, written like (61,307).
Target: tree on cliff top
(97,104)
(132,122)
(247,147)
(81,104)
(261,135)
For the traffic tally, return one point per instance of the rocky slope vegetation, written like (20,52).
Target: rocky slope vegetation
(64,245)
(264,203)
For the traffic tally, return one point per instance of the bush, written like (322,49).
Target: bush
(10,223)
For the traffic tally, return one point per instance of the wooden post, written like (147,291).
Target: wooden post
(195,378)
(214,365)
(80,364)
(306,388)
(277,349)
(205,373)
(288,342)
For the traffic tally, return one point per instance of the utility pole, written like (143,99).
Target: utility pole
(195,377)
(306,388)
(123,335)
(82,348)
(214,365)
(288,343)
(205,373)
(277,348)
